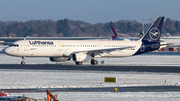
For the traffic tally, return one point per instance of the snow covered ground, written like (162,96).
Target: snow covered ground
(65,79)
(69,78)
(74,79)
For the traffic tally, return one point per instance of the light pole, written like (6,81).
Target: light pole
(143,24)
(143,27)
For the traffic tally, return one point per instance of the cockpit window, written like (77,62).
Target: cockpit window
(13,45)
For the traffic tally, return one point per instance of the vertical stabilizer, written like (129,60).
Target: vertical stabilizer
(114,34)
(154,32)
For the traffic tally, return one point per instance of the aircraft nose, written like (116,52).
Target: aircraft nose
(6,51)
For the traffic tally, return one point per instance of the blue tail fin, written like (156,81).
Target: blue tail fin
(154,32)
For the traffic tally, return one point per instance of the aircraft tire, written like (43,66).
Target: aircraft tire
(94,62)
(22,63)
(78,63)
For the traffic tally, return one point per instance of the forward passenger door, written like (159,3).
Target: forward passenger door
(26,46)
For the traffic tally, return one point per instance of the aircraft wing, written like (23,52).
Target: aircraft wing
(100,51)
(166,44)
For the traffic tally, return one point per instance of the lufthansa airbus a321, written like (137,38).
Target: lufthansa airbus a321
(86,50)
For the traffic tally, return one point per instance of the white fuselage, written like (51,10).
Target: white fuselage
(59,48)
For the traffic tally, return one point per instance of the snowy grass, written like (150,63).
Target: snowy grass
(79,79)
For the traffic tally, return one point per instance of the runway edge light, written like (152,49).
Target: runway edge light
(110,79)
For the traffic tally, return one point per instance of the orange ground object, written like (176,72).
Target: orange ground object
(50,95)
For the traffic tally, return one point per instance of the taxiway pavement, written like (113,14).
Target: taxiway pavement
(100,89)
(171,69)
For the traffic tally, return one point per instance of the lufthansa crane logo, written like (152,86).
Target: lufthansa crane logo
(154,33)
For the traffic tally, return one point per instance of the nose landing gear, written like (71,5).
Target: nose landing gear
(23,61)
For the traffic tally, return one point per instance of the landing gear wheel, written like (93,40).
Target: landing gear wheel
(78,63)
(23,63)
(94,62)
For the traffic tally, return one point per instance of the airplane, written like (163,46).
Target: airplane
(86,50)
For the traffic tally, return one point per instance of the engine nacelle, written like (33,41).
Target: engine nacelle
(59,59)
(81,57)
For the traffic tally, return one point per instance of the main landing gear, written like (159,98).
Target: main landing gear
(23,61)
(94,62)
(78,63)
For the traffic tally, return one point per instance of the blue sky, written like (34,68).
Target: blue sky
(92,11)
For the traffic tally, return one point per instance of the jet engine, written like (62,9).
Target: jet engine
(81,57)
(59,59)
